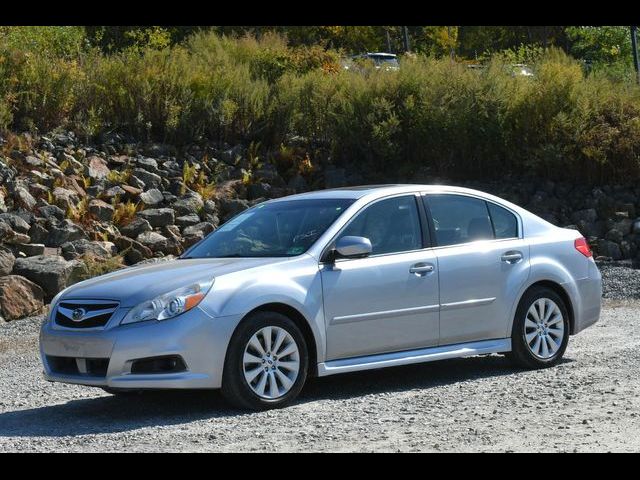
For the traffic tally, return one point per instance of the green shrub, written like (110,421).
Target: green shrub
(432,116)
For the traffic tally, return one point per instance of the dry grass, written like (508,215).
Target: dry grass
(96,265)
(124,212)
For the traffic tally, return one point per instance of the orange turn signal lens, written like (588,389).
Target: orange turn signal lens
(193,300)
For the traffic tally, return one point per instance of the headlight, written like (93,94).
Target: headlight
(170,304)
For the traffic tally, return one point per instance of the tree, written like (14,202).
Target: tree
(608,44)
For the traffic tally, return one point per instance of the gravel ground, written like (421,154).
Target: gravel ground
(619,282)
(590,402)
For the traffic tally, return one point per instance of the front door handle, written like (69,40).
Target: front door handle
(512,256)
(421,269)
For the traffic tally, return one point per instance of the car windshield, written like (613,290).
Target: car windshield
(383,59)
(278,229)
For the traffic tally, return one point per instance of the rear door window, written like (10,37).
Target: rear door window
(459,219)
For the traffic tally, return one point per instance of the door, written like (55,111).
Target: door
(387,301)
(482,262)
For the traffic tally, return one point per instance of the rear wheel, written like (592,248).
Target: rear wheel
(266,364)
(540,329)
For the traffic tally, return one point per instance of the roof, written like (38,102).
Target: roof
(368,193)
(360,191)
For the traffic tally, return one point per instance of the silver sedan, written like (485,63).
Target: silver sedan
(329,282)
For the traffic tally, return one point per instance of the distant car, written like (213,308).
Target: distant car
(515,70)
(330,282)
(385,61)
(521,70)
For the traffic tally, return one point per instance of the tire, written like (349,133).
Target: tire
(243,374)
(533,339)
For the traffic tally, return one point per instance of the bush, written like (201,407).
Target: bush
(431,117)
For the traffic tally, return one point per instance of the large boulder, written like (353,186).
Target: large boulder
(64,197)
(202,228)
(152,197)
(38,232)
(52,272)
(188,204)
(609,249)
(187,220)
(153,240)
(24,198)
(135,227)
(19,297)
(66,231)
(148,164)
(8,235)
(149,179)
(6,261)
(51,212)
(132,250)
(30,249)
(101,210)
(78,248)
(158,217)
(97,168)
(16,222)
(160,243)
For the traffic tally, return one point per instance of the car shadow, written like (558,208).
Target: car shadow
(410,377)
(114,414)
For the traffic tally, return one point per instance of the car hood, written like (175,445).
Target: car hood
(133,285)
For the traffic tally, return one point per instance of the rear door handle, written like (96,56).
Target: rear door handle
(512,256)
(421,269)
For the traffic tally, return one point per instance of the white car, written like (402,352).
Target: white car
(329,282)
(384,61)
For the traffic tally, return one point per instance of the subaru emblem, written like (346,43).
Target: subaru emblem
(78,314)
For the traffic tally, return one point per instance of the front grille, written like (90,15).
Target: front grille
(84,313)
(93,367)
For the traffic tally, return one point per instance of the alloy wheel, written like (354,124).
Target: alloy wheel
(544,328)
(271,362)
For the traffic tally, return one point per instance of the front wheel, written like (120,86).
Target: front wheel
(540,329)
(266,364)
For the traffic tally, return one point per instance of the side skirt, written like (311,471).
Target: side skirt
(409,357)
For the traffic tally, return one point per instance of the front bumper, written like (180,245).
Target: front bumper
(199,339)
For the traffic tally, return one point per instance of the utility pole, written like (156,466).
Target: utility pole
(407,47)
(634,47)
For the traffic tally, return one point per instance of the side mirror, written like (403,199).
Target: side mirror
(353,247)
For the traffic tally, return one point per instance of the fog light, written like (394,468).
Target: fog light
(166,364)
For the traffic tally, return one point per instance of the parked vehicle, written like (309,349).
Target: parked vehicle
(521,70)
(329,282)
(515,70)
(385,61)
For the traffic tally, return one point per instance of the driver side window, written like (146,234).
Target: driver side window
(392,225)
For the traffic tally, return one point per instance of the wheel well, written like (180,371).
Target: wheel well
(556,287)
(302,324)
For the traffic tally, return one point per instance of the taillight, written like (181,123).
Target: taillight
(583,247)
